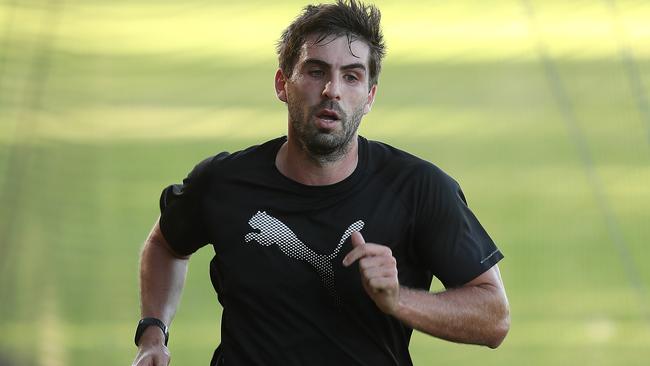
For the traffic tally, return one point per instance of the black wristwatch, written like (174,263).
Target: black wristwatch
(145,323)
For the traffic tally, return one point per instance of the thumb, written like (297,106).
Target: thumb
(357,239)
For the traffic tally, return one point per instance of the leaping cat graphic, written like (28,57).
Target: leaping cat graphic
(273,231)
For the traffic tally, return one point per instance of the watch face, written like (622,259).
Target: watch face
(145,323)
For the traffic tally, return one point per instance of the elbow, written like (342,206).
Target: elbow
(500,329)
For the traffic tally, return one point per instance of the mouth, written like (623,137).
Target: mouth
(328,115)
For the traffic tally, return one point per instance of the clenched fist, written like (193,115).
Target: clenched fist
(378,269)
(152,350)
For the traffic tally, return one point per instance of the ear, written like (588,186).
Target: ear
(280,85)
(371,99)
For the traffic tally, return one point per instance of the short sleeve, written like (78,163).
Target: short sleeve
(181,214)
(449,239)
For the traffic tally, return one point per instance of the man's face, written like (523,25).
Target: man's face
(327,95)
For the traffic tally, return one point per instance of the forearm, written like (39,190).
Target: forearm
(470,314)
(475,313)
(162,277)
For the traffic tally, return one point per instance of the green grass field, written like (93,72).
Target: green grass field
(102,104)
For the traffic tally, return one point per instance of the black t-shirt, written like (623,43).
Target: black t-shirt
(279,245)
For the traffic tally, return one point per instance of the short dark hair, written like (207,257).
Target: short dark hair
(347,17)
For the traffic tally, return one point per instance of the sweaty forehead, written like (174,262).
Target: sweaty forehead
(335,50)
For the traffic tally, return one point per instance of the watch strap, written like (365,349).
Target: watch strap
(145,323)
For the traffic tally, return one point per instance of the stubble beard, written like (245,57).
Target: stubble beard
(324,146)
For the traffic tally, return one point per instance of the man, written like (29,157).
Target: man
(325,242)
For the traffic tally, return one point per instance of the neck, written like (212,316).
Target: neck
(297,164)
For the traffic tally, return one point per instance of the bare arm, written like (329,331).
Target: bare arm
(162,277)
(476,313)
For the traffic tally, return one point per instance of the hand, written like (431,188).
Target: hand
(152,350)
(378,269)
(152,356)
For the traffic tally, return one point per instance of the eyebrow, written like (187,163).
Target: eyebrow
(315,61)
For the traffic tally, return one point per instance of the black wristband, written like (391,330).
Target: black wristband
(145,323)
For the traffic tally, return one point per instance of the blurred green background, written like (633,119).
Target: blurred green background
(538,108)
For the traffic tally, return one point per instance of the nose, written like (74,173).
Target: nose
(332,90)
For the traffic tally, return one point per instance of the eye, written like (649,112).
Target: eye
(351,78)
(317,73)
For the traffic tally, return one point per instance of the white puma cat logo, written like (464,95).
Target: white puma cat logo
(273,231)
